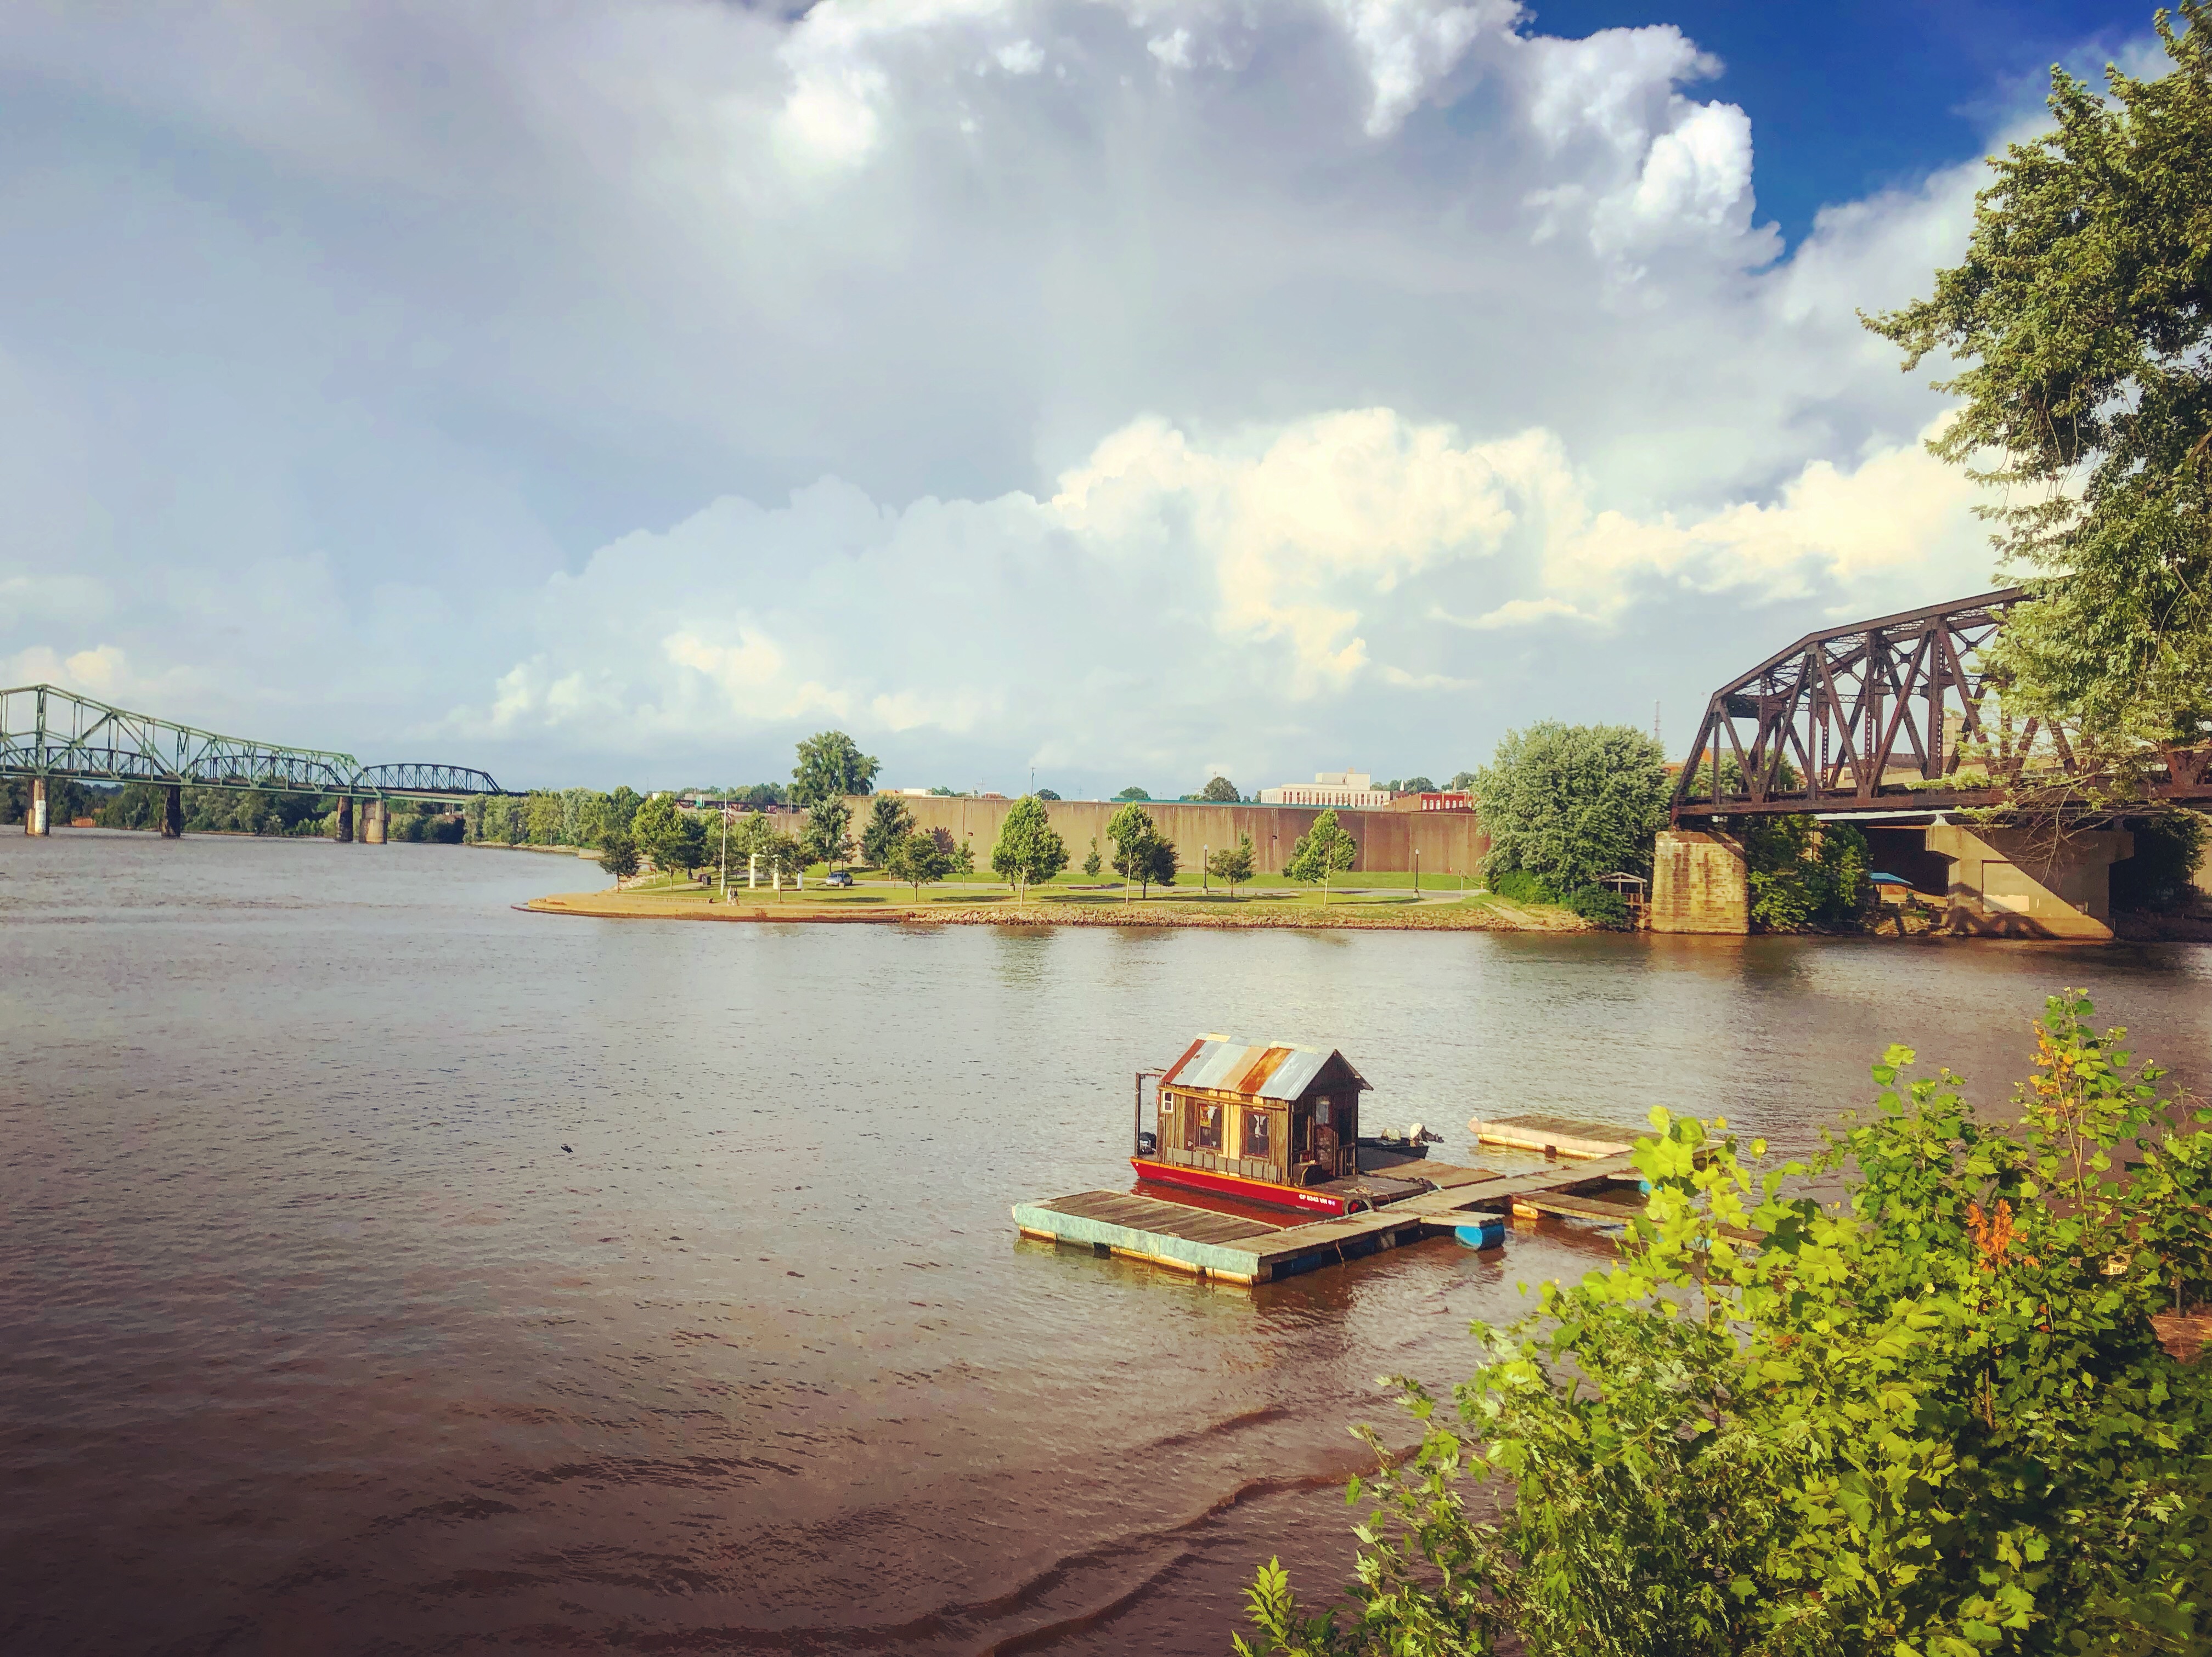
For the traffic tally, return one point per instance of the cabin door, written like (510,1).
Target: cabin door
(1327,1155)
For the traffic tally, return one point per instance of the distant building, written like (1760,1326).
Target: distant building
(1353,791)
(1436,800)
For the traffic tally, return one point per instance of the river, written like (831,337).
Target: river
(386,1270)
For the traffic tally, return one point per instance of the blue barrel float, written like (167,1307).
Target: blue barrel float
(1486,1232)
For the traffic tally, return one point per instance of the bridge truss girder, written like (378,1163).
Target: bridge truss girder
(47,731)
(1878,715)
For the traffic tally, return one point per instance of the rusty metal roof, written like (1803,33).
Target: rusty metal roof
(1262,1070)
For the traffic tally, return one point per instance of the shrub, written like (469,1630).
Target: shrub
(1601,907)
(1519,886)
(1933,1417)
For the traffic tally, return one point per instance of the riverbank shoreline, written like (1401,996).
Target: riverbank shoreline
(612,906)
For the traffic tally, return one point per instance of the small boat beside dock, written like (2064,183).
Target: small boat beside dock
(1256,1171)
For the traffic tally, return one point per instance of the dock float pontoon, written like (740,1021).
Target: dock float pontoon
(1255,1170)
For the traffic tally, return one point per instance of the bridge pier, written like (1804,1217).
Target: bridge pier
(2030,883)
(373,822)
(173,813)
(1700,884)
(34,817)
(343,833)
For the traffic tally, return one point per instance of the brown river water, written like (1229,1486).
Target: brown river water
(313,1338)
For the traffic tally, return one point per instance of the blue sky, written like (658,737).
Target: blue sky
(1133,389)
(1848,99)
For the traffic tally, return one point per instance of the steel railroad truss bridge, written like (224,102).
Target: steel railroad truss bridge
(1896,723)
(47,732)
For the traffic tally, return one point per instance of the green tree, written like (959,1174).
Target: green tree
(889,821)
(830,766)
(1323,851)
(1461,782)
(826,836)
(1413,786)
(1804,873)
(962,855)
(1029,848)
(1046,794)
(1933,1417)
(1219,788)
(1571,803)
(1091,864)
(2082,312)
(2162,872)
(658,829)
(622,807)
(1232,864)
(920,859)
(784,855)
(542,818)
(618,854)
(1141,852)
(1133,793)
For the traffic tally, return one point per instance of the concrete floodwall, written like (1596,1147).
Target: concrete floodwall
(1449,842)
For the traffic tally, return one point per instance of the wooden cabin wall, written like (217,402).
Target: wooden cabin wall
(1179,1133)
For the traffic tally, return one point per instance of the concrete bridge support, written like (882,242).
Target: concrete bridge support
(343,833)
(34,819)
(173,813)
(374,821)
(1700,884)
(2030,883)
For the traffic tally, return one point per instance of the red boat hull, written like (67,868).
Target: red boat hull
(1318,1203)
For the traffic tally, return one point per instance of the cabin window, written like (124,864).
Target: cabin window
(1205,1126)
(1259,1135)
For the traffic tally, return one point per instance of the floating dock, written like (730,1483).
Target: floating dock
(1554,1136)
(1243,1249)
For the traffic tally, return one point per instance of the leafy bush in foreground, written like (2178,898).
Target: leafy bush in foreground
(1933,1418)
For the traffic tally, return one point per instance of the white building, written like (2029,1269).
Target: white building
(1345,790)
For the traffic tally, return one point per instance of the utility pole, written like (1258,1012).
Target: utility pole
(725,846)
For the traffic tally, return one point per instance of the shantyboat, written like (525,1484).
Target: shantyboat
(1268,1123)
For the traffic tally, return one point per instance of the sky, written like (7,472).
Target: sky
(1113,392)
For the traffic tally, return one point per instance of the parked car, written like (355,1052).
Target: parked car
(837,877)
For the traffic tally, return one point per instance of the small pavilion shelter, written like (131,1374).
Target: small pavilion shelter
(1286,1114)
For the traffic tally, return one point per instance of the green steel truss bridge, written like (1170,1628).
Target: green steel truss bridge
(46,732)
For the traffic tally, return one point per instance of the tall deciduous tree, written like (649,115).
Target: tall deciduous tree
(1028,847)
(618,853)
(827,838)
(889,820)
(658,827)
(1221,788)
(831,766)
(1141,852)
(2082,313)
(1572,804)
(1322,852)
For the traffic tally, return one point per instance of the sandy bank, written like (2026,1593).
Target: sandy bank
(1395,918)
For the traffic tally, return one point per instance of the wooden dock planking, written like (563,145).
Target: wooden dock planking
(1236,1249)
(1576,1207)
(1561,1135)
